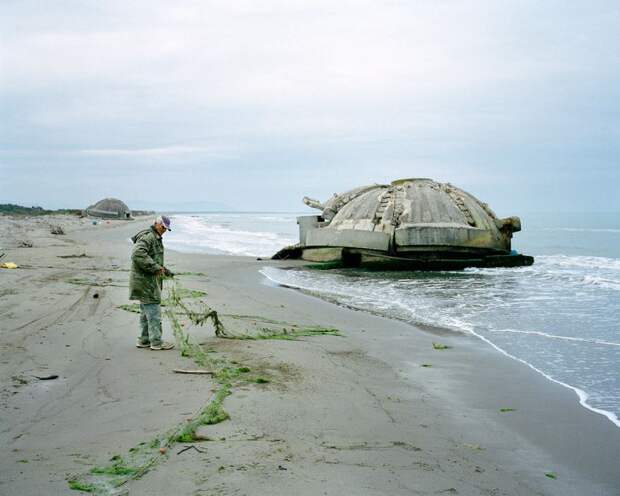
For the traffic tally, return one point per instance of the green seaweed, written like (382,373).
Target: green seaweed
(439,346)
(551,475)
(227,374)
(475,447)
(181,293)
(256,318)
(114,470)
(188,349)
(130,307)
(288,334)
(118,467)
(505,410)
(426,365)
(78,485)
(213,413)
(204,313)
(261,380)
(189,293)
(90,282)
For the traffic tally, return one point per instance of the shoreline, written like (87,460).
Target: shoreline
(582,396)
(357,414)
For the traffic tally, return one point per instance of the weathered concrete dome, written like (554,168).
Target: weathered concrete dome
(410,218)
(109,208)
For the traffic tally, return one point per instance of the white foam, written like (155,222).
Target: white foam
(195,234)
(602,282)
(276,218)
(579,261)
(566,270)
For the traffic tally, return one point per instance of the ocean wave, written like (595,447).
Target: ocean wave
(579,261)
(197,234)
(277,218)
(602,282)
(555,336)
(552,271)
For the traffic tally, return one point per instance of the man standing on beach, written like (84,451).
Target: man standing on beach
(145,282)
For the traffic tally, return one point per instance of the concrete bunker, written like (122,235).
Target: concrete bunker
(109,208)
(416,224)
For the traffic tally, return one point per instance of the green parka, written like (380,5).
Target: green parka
(147,258)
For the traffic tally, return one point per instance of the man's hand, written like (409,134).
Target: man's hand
(164,272)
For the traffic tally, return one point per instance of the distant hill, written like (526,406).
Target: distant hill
(11,209)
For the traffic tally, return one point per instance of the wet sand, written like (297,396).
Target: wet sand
(356,414)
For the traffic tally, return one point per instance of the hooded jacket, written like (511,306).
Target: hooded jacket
(147,258)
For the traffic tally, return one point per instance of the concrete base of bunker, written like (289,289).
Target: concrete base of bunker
(346,257)
(439,264)
(351,258)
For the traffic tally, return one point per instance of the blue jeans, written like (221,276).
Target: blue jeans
(150,323)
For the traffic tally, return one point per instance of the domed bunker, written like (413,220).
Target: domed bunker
(109,208)
(410,224)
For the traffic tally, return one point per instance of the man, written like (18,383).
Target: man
(145,282)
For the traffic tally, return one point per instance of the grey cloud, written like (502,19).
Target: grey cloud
(278,99)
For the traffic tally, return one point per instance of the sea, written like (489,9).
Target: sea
(561,316)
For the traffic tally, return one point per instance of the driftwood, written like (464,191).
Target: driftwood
(189,448)
(47,377)
(196,371)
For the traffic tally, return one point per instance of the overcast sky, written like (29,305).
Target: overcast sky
(254,104)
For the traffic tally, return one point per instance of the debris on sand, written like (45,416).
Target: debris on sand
(46,377)
(197,371)
(57,230)
(189,448)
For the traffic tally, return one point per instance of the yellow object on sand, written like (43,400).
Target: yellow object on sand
(8,265)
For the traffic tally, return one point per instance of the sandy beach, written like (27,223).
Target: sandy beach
(375,409)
